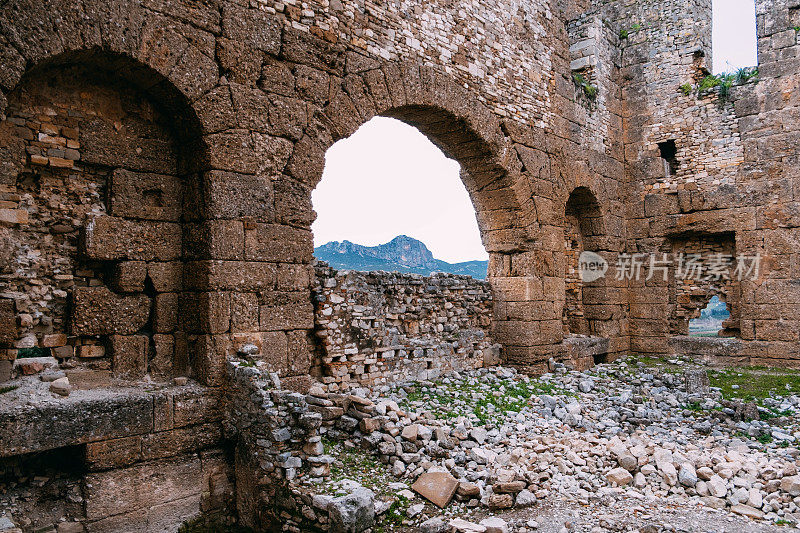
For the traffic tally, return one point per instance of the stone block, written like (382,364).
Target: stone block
(145,196)
(8,322)
(114,453)
(216,239)
(207,355)
(91,351)
(166,277)
(54,340)
(103,144)
(182,440)
(98,311)
(141,487)
(165,312)
(300,352)
(244,312)
(111,238)
(274,350)
(129,276)
(277,243)
(164,353)
(229,195)
(243,276)
(294,277)
(252,28)
(285,311)
(129,355)
(293,203)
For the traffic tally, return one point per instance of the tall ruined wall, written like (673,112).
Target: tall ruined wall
(382,327)
(706,168)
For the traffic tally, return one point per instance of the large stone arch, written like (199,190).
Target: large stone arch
(465,130)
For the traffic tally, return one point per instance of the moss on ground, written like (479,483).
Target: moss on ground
(755,384)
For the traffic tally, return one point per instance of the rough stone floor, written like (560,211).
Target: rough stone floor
(622,447)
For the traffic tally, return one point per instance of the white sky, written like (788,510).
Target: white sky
(734,41)
(388,179)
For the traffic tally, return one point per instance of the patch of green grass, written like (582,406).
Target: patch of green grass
(394,516)
(796,28)
(8,388)
(623,34)
(484,404)
(755,385)
(764,438)
(693,406)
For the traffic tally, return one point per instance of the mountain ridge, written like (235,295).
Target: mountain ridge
(402,254)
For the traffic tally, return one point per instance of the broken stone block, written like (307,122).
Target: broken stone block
(437,487)
(145,195)
(129,353)
(61,387)
(459,525)
(500,501)
(98,311)
(34,365)
(619,476)
(697,381)
(353,512)
(494,525)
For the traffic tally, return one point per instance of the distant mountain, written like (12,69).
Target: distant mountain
(401,254)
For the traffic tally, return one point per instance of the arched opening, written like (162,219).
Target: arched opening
(100,165)
(391,200)
(392,206)
(583,231)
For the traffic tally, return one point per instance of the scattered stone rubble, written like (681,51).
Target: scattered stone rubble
(489,441)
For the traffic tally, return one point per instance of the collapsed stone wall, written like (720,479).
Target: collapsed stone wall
(381,327)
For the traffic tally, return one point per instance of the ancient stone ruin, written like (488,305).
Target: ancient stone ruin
(168,346)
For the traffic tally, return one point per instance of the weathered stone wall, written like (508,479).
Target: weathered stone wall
(381,327)
(180,164)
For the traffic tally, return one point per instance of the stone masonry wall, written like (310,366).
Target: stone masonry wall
(381,327)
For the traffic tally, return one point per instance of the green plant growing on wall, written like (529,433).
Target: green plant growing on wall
(582,83)
(686,89)
(745,74)
(625,33)
(796,28)
(707,83)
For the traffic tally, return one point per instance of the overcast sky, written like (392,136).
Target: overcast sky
(734,43)
(388,179)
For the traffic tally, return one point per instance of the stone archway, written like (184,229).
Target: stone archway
(467,132)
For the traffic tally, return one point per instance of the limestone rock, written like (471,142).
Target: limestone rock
(437,487)
(352,513)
